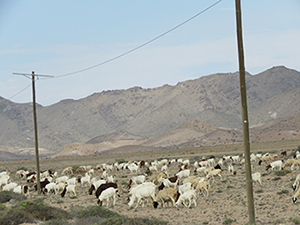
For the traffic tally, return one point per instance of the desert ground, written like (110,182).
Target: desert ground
(226,203)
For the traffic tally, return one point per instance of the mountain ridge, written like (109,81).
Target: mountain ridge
(153,113)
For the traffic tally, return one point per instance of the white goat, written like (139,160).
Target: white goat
(133,168)
(136,180)
(4,180)
(214,173)
(62,179)
(142,191)
(167,183)
(274,165)
(184,187)
(69,189)
(256,177)
(85,179)
(9,186)
(183,173)
(72,181)
(107,194)
(187,196)
(50,187)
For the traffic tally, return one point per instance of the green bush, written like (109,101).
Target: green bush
(228,221)
(36,211)
(16,216)
(296,220)
(282,172)
(123,220)
(6,196)
(121,161)
(283,192)
(41,211)
(2,207)
(95,211)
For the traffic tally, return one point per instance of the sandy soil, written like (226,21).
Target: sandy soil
(227,199)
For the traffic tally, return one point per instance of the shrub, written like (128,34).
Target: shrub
(121,161)
(5,196)
(41,211)
(95,211)
(228,221)
(283,192)
(282,172)
(22,168)
(296,220)
(16,216)
(276,178)
(2,207)
(132,221)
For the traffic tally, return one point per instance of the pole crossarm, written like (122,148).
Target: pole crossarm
(30,74)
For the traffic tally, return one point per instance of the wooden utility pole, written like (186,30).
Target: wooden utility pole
(35,125)
(243,91)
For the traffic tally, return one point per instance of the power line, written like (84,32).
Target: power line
(130,51)
(142,45)
(25,75)
(19,92)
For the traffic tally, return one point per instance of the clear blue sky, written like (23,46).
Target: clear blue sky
(59,37)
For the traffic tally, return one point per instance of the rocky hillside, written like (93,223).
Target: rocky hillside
(155,117)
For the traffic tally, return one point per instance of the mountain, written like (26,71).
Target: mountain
(154,117)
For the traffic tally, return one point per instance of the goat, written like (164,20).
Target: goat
(95,185)
(22,190)
(166,195)
(145,190)
(107,194)
(202,187)
(102,187)
(42,185)
(256,177)
(275,164)
(9,186)
(183,173)
(68,170)
(296,183)
(69,189)
(136,180)
(190,196)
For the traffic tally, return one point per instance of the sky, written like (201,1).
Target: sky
(122,43)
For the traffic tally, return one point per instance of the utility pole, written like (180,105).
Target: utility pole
(243,91)
(35,125)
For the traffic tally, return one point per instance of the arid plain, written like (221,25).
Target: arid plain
(226,203)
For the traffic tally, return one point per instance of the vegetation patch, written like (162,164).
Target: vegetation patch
(228,221)
(6,196)
(283,192)
(296,220)
(282,172)
(35,211)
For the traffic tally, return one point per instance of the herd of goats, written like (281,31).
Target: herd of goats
(176,181)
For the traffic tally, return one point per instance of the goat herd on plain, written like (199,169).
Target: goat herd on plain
(150,182)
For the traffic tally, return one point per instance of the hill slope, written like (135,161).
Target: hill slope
(150,113)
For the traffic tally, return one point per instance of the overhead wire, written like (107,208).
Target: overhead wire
(142,45)
(132,50)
